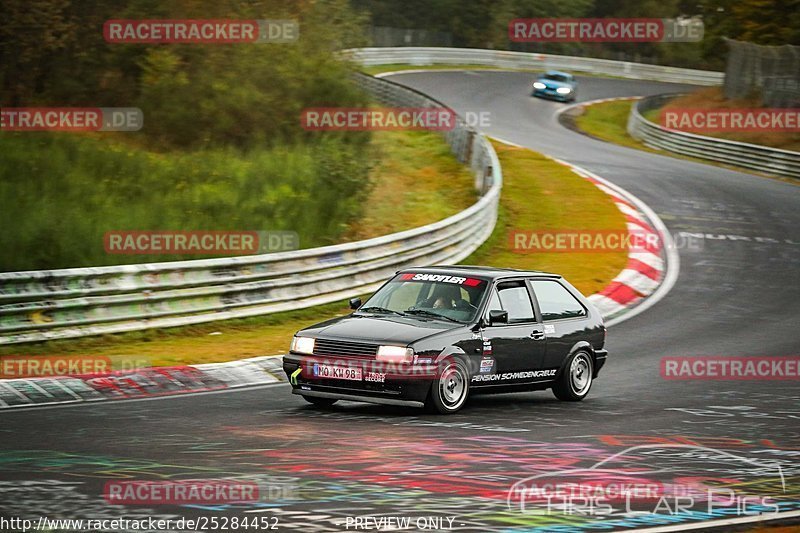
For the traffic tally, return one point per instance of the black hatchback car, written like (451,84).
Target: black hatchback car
(432,336)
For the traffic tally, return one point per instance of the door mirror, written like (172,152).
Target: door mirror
(355,303)
(497,316)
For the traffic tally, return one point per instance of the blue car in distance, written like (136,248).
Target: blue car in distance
(556,85)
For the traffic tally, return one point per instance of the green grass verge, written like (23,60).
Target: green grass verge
(415,181)
(608,121)
(713,99)
(62,192)
(538,194)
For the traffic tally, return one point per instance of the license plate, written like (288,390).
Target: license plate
(337,372)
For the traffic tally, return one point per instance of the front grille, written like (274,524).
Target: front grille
(328,347)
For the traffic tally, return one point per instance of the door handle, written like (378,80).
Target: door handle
(537,335)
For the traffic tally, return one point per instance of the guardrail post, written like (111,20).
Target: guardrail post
(467,156)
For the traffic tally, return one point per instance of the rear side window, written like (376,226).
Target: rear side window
(513,297)
(556,301)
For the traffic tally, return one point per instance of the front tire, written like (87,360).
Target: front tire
(320,402)
(450,390)
(576,379)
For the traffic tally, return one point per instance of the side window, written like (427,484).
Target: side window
(512,296)
(494,303)
(556,301)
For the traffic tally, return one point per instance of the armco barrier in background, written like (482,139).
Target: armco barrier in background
(41,305)
(524,60)
(762,158)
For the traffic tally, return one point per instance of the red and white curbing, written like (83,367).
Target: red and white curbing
(647,277)
(650,272)
(646,267)
(145,383)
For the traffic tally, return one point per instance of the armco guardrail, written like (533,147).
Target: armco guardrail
(42,305)
(524,60)
(753,156)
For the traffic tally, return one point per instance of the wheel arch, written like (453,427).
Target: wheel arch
(584,346)
(471,361)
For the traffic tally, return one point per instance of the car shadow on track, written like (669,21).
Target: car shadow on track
(483,405)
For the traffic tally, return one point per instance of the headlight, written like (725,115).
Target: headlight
(539,85)
(394,354)
(303,345)
(563,90)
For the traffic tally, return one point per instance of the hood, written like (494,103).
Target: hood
(379,330)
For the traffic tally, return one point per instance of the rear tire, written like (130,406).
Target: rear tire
(450,390)
(575,381)
(320,402)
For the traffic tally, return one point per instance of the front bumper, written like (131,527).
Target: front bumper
(358,398)
(406,385)
(552,95)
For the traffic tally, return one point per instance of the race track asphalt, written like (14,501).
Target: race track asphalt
(320,469)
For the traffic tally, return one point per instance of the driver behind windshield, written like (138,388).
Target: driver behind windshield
(455,301)
(445,297)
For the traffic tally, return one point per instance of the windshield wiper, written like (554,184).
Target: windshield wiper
(431,313)
(375,309)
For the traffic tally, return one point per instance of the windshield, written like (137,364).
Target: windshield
(556,77)
(429,296)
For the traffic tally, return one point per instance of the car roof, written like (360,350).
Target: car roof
(481,271)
